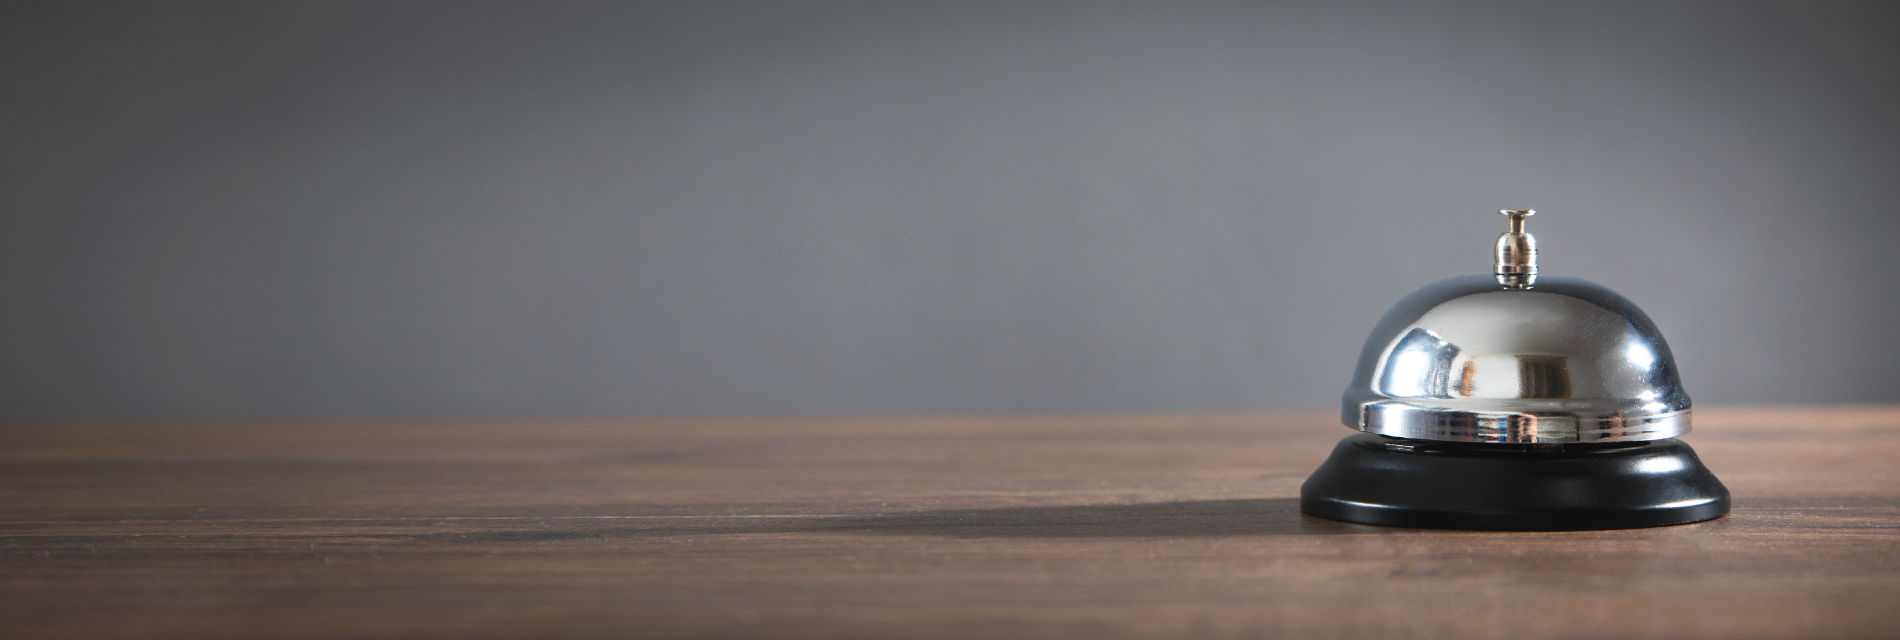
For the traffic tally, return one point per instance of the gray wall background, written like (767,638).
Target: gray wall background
(333,209)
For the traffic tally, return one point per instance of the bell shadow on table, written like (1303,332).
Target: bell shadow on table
(1269,517)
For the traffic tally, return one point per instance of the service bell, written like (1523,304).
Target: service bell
(1515,401)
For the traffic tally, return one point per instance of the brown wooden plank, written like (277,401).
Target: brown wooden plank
(1067,526)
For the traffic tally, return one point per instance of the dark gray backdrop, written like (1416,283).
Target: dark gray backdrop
(330,209)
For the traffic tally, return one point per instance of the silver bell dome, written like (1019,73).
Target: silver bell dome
(1512,357)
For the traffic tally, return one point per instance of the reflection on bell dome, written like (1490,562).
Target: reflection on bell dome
(1472,359)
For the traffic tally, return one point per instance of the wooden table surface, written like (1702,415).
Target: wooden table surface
(1072,526)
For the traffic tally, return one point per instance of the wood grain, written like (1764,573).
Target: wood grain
(1068,526)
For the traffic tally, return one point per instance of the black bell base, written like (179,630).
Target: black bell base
(1393,482)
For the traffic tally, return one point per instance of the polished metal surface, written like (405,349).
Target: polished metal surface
(1516,254)
(1493,359)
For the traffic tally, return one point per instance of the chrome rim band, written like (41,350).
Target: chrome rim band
(1405,420)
